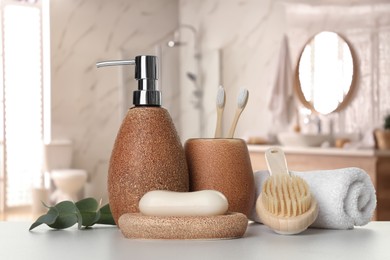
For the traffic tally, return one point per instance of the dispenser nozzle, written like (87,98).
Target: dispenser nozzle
(147,74)
(115,63)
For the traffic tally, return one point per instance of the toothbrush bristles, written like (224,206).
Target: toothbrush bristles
(221,98)
(242,98)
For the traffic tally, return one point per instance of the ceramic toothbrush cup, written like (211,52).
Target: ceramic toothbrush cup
(223,165)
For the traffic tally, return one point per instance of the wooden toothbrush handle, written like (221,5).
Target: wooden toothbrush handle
(234,123)
(276,161)
(218,129)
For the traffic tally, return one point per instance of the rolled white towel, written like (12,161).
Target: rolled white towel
(346,197)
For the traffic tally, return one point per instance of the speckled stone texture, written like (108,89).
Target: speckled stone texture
(223,165)
(138,226)
(147,155)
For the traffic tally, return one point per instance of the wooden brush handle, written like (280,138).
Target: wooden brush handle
(276,161)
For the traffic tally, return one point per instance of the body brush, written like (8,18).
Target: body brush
(285,204)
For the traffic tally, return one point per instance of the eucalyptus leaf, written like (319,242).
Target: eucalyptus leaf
(106,216)
(89,210)
(49,218)
(85,212)
(68,215)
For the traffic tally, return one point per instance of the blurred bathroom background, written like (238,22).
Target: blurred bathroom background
(201,45)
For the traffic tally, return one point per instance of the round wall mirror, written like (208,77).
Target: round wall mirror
(326,73)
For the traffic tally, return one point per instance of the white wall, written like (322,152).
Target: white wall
(248,34)
(367,28)
(86,102)
(239,42)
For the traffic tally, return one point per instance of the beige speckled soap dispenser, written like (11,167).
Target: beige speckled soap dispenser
(147,153)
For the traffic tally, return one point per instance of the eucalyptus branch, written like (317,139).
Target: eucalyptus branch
(86,213)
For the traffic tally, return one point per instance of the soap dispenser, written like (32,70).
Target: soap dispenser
(147,153)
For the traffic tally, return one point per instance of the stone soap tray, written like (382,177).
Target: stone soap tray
(228,226)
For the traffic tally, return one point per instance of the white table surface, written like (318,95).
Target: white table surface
(106,242)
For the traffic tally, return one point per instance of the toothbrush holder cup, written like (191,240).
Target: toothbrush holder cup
(223,165)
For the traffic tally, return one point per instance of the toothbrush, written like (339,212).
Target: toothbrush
(285,203)
(221,98)
(242,99)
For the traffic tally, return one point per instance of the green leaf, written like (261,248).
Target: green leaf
(106,216)
(68,215)
(89,210)
(85,212)
(49,218)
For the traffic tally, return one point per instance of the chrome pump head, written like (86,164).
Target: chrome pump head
(146,73)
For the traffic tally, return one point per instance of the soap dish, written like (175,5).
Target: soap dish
(228,226)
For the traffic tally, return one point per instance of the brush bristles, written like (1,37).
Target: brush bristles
(286,196)
(221,97)
(242,98)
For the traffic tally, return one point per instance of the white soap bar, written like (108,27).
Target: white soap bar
(171,203)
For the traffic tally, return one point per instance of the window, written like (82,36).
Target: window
(23,99)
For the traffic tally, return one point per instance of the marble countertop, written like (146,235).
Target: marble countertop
(259,242)
(323,151)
